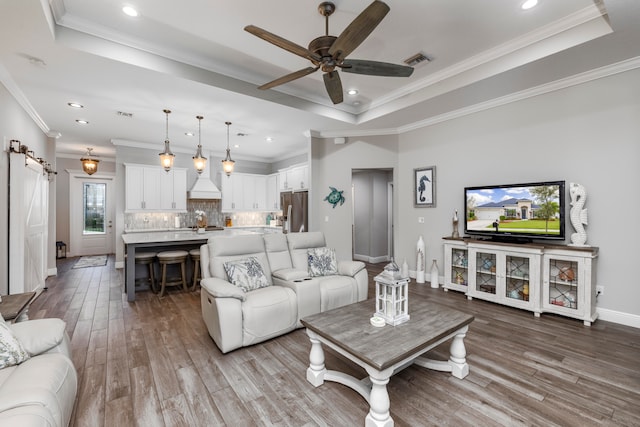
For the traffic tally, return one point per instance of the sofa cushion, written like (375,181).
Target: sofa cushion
(246,274)
(11,350)
(277,251)
(40,335)
(298,245)
(223,248)
(322,262)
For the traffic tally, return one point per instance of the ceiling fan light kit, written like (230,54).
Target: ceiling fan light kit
(329,53)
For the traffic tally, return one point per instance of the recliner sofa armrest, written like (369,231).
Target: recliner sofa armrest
(222,289)
(40,335)
(350,268)
(290,274)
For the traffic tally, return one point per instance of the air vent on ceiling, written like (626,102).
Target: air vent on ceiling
(123,114)
(416,59)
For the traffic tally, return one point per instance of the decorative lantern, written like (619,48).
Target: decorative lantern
(392,299)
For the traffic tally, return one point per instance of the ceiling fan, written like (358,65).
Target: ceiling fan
(329,52)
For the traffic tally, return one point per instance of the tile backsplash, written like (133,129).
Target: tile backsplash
(212,209)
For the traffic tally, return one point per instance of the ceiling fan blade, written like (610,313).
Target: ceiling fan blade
(334,86)
(358,30)
(375,68)
(288,78)
(283,43)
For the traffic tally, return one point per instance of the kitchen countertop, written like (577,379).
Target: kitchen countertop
(181,235)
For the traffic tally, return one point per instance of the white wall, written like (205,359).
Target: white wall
(589,134)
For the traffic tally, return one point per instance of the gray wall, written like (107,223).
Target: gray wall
(587,134)
(371,214)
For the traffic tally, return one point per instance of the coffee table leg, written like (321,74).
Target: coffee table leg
(457,359)
(316,369)
(379,403)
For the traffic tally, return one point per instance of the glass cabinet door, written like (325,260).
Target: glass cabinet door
(563,283)
(486,272)
(459,265)
(517,278)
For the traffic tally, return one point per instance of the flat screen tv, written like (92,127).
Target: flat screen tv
(516,212)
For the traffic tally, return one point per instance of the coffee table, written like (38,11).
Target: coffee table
(385,351)
(15,305)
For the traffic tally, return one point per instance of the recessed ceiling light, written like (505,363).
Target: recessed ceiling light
(82,122)
(189,133)
(269,139)
(528,4)
(75,105)
(236,145)
(352,92)
(130,11)
(356,102)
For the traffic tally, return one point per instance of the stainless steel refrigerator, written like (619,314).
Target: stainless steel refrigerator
(294,210)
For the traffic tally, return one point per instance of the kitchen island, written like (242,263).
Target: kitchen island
(164,240)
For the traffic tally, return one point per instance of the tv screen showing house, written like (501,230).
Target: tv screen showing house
(535,210)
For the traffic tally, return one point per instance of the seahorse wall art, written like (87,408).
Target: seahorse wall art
(578,214)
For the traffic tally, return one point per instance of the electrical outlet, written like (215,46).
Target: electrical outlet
(599,290)
(421,220)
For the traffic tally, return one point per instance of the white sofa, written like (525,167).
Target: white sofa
(236,318)
(40,391)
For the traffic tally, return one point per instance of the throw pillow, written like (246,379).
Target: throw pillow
(247,274)
(322,262)
(11,351)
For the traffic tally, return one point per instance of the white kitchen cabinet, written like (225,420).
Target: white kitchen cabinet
(173,196)
(244,192)
(294,178)
(273,192)
(569,283)
(142,188)
(505,274)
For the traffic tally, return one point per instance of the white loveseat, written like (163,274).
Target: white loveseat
(40,391)
(236,318)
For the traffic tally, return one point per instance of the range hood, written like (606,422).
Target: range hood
(204,188)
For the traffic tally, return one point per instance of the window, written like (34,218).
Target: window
(94,205)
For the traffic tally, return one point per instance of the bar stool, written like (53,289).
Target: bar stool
(147,258)
(195,257)
(169,258)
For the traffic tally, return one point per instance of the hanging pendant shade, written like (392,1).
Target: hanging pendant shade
(167,157)
(199,161)
(89,165)
(228,163)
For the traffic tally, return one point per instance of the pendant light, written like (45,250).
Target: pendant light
(228,163)
(166,157)
(199,161)
(89,165)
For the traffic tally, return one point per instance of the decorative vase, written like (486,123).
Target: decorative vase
(404,272)
(456,233)
(434,274)
(420,261)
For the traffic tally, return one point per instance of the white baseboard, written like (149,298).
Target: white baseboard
(370,259)
(52,272)
(619,317)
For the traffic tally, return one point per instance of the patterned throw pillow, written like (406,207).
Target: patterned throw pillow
(11,351)
(247,274)
(322,262)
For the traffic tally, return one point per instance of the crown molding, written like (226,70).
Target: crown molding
(18,95)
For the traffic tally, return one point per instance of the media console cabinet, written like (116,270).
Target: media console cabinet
(541,278)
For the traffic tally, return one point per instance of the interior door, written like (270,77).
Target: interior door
(91,213)
(28,225)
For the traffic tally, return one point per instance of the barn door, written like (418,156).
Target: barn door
(28,224)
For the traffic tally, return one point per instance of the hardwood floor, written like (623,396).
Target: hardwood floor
(152,363)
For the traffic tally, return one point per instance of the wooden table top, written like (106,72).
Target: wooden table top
(13,305)
(349,328)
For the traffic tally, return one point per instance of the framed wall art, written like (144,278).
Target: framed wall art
(424,187)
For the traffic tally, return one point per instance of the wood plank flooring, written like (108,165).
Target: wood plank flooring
(152,363)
